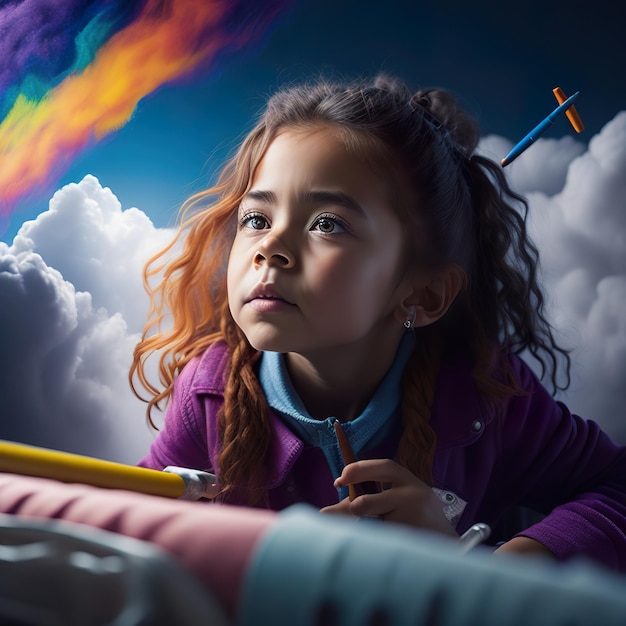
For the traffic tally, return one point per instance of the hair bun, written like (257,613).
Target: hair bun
(445,108)
(441,105)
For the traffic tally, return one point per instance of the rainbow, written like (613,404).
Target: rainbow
(74,73)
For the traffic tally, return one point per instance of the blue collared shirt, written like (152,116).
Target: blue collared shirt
(365,431)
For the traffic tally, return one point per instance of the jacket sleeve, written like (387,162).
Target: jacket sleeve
(182,441)
(567,468)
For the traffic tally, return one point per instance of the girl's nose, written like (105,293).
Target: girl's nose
(272,253)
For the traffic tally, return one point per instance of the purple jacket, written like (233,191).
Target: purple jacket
(529,450)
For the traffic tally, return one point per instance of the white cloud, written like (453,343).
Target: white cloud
(580,230)
(73,307)
(543,167)
(96,246)
(595,194)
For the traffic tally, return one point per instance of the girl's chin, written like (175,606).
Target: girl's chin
(265,343)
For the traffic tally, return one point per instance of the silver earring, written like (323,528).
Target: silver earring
(408,323)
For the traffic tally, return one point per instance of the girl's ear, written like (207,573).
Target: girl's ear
(431,296)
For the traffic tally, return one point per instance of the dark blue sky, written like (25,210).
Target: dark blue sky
(502,59)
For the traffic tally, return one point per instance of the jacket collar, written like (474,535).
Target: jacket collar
(212,370)
(456,395)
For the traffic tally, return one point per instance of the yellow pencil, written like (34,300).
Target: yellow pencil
(66,467)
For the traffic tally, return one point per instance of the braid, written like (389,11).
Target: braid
(243,422)
(417,443)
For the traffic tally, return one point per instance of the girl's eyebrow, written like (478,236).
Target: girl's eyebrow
(266,197)
(319,197)
(333,197)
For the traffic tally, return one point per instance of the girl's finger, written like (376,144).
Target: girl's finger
(379,504)
(406,499)
(377,470)
(342,508)
(405,505)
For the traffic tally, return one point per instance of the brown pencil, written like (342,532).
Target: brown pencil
(348,456)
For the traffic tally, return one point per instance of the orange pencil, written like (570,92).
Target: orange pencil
(571,113)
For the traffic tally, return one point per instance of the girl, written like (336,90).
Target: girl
(356,261)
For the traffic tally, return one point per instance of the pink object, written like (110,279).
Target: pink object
(214,542)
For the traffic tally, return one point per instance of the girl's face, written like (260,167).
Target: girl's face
(316,264)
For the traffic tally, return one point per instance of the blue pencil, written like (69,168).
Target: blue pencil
(536,132)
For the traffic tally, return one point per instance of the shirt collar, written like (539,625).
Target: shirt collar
(363,430)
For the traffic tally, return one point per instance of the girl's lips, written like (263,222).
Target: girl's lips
(267,292)
(269,305)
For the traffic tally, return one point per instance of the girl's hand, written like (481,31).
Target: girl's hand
(409,500)
(525,545)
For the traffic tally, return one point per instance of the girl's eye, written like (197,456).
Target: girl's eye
(255,221)
(328,224)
